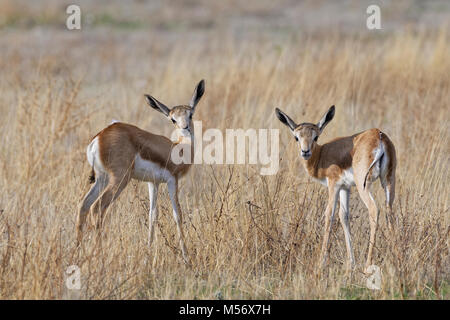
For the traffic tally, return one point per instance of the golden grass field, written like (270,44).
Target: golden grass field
(58,88)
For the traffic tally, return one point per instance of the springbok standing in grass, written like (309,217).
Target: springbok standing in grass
(122,151)
(358,160)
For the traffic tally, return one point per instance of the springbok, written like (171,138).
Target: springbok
(358,160)
(122,151)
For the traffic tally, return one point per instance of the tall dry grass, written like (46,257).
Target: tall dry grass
(58,89)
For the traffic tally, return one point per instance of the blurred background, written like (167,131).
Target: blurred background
(238,17)
(59,87)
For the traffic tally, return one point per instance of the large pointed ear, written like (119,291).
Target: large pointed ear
(198,93)
(285,119)
(155,104)
(326,119)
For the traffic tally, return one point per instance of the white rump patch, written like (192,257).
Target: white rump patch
(384,163)
(377,154)
(93,155)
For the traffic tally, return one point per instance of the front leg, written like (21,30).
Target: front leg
(172,185)
(153,210)
(333,193)
(344,217)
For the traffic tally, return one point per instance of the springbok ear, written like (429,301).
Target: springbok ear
(326,118)
(285,119)
(155,104)
(198,93)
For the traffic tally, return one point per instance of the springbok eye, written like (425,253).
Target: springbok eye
(315,139)
(296,138)
(173,120)
(190,116)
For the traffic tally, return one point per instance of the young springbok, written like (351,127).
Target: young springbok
(358,160)
(122,151)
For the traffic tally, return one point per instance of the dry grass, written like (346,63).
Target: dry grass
(59,88)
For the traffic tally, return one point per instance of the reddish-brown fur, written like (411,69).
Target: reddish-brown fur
(330,159)
(122,151)
(119,143)
(341,163)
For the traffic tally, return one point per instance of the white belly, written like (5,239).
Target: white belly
(145,170)
(347,178)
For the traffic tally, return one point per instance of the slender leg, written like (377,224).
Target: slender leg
(389,190)
(368,200)
(153,211)
(333,192)
(177,215)
(344,218)
(115,186)
(88,200)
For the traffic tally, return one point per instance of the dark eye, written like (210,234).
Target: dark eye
(315,139)
(296,139)
(173,120)
(190,116)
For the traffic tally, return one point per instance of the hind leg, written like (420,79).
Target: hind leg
(368,200)
(88,200)
(115,187)
(389,190)
(387,178)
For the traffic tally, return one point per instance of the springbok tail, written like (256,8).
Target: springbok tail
(379,154)
(92,176)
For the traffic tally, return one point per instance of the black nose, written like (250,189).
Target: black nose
(307,151)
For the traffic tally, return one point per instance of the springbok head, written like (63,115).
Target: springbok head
(181,116)
(306,134)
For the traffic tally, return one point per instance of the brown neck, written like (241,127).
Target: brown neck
(312,164)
